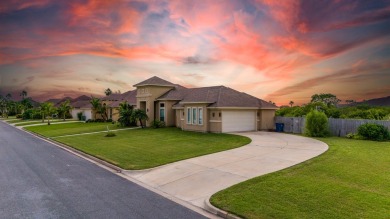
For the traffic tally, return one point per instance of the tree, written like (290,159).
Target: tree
(316,124)
(26,104)
(126,117)
(8,96)
(64,108)
(108,92)
(291,103)
(95,102)
(350,101)
(140,115)
(23,94)
(328,99)
(47,109)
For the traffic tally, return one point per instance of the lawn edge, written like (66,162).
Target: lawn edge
(217,211)
(76,151)
(108,163)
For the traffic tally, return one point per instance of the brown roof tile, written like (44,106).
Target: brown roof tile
(154,81)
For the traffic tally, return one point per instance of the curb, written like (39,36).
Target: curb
(77,152)
(214,210)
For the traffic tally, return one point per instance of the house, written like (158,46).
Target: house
(205,109)
(113,101)
(81,106)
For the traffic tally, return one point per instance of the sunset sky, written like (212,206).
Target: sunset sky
(275,50)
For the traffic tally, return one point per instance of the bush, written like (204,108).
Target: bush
(79,115)
(316,124)
(374,132)
(19,116)
(109,120)
(90,120)
(157,124)
(110,134)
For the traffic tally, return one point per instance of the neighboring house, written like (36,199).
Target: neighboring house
(112,102)
(81,106)
(206,109)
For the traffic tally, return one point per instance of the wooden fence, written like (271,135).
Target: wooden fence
(337,127)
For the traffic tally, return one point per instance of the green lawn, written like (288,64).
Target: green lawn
(146,148)
(70,128)
(351,180)
(40,122)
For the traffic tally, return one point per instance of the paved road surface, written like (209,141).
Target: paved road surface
(40,180)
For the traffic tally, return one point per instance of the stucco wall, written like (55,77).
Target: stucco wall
(191,127)
(179,118)
(149,95)
(267,119)
(215,121)
(170,116)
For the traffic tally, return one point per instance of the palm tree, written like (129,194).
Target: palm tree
(23,94)
(95,102)
(108,92)
(47,109)
(64,108)
(126,114)
(140,115)
(291,103)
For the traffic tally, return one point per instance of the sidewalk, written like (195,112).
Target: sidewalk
(195,180)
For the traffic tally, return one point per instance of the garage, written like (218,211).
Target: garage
(238,120)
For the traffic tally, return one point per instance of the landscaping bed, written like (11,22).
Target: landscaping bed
(350,180)
(146,148)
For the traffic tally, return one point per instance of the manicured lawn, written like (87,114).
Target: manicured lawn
(146,148)
(40,122)
(70,128)
(351,180)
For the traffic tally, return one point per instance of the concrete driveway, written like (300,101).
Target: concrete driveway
(195,180)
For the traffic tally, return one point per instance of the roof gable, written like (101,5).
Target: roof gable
(155,81)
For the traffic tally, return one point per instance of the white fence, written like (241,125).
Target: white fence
(337,127)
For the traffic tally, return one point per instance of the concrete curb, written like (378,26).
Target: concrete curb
(77,152)
(214,210)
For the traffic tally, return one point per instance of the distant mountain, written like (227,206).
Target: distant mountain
(382,101)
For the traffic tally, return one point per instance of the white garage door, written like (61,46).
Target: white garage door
(238,121)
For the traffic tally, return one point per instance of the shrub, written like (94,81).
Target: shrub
(19,116)
(316,124)
(109,120)
(79,115)
(110,134)
(90,120)
(374,132)
(157,124)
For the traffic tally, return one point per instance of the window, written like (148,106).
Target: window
(194,117)
(213,114)
(219,114)
(189,116)
(162,112)
(200,114)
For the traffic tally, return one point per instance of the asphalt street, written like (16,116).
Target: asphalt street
(40,180)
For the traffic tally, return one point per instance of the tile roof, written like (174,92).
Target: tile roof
(81,104)
(154,81)
(129,96)
(221,96)
(177,93)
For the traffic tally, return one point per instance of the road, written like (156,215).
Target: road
(40,180)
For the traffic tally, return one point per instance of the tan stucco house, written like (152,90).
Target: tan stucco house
(205,109)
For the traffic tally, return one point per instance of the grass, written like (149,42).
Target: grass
(70,128)
(146,148)
(40,122)
(351,180)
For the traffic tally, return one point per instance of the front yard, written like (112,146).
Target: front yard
(140,148)
(351,180)
(70,128)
